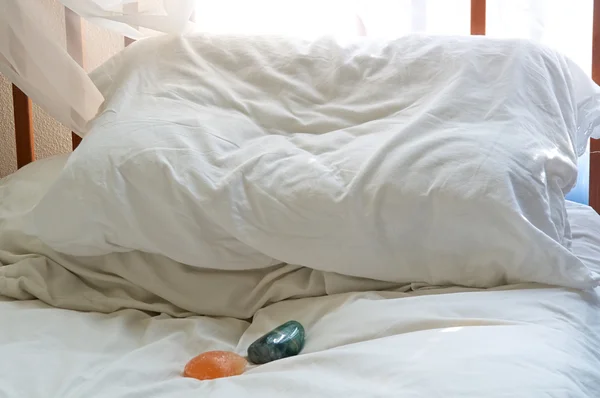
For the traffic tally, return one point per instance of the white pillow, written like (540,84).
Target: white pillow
(442,160)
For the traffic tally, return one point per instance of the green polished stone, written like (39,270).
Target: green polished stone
(284,341)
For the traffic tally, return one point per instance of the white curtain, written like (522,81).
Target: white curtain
(310,18)
(563,24)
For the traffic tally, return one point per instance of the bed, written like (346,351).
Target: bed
(520,340)
(95,300)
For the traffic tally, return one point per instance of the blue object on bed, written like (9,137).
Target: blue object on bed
(581,192)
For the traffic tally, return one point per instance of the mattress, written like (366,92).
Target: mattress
(515,341)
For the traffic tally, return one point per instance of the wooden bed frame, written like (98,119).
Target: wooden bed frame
(24,122)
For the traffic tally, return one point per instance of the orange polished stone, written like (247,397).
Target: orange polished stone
(215,364)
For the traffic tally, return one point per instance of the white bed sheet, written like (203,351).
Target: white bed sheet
(523,342)
(516,341)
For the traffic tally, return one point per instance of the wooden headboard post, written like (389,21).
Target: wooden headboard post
(23,127)
(478,17)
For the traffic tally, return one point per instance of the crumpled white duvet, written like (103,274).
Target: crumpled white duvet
(439,160)
(523,340)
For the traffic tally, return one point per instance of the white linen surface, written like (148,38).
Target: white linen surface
(523,342)
(441,160)
(518,341)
